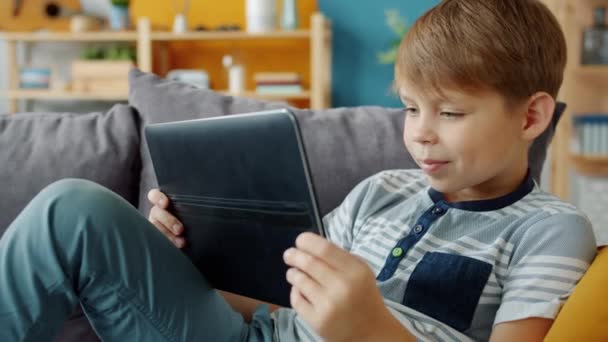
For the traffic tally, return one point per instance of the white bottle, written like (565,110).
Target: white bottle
(180,23)
(261,15)
(289,16)
(236,75)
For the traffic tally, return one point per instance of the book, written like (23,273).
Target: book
(276,77)
(272,83)
(278,89)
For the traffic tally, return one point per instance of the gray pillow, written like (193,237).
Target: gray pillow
(344,145)
(37,149)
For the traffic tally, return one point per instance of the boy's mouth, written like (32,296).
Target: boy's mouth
(432,165)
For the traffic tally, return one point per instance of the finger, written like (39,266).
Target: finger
(323,249)
(307,286)
(158,198)
(178,241)
(163,216)
(312,266)
(301,305)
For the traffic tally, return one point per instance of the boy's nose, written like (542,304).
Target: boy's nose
(423,131)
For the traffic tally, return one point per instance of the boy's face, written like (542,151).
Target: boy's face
(469,144)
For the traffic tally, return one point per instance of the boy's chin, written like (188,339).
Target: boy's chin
(442,185)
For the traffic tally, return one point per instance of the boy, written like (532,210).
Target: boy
(466,248)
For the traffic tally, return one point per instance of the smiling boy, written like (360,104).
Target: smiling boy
(467,248)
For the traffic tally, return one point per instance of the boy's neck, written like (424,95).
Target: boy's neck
(494,188)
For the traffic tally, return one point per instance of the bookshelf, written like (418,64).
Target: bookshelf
(154,44)
(584,90)
(35,94)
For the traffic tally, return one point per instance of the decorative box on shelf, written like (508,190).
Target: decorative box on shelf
(100,75)
(278,83)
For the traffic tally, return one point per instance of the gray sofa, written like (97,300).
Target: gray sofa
(344,145)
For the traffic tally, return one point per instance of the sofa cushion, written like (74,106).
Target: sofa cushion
(344,145)
(37,149)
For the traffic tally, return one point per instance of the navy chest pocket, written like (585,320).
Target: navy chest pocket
(447,287)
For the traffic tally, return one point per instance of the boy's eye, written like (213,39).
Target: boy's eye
(410,110)
(452,115)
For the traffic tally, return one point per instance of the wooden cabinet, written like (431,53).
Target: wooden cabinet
(585,90)
(152,57)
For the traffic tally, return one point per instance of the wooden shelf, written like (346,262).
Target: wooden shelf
(319,37)
(42,94)
(228,35)
(590,165)
(599,72)
(112,36)
(583,90)
(102,36)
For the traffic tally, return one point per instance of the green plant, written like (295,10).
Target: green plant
(399,26)
(120,3)
(115,53)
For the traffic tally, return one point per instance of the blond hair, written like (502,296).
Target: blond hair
(515,47)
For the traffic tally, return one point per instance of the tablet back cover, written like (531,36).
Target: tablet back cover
(241,186)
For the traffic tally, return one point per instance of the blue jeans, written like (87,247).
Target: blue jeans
(77,242)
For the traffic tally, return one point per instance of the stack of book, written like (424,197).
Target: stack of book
(278,83)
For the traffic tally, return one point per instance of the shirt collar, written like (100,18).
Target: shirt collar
(491,204)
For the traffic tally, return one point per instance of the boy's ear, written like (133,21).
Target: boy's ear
(538,115)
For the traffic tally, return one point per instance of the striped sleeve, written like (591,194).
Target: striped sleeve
(340,222)
(545,266)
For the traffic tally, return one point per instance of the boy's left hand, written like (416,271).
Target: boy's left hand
(335,292)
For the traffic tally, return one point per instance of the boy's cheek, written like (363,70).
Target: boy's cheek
(408,146)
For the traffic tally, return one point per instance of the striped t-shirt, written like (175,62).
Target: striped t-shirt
(452,271)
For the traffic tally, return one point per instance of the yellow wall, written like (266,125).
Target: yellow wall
(209,13)
(276,55)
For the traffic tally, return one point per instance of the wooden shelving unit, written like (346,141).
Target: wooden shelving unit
(590,166)
(584,90)
(594,71)
(319,35)
(235,35)
(35,94)
(41,37)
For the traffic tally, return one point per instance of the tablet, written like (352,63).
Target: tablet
(241,186)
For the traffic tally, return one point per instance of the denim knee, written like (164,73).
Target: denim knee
(68,201)
(79,194)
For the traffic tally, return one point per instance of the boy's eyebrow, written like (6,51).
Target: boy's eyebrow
(441,99)
(404,98)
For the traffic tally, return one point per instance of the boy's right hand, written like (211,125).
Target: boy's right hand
(162,219)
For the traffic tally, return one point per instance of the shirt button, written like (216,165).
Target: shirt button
(418,228)
(397,252)
(438,211)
